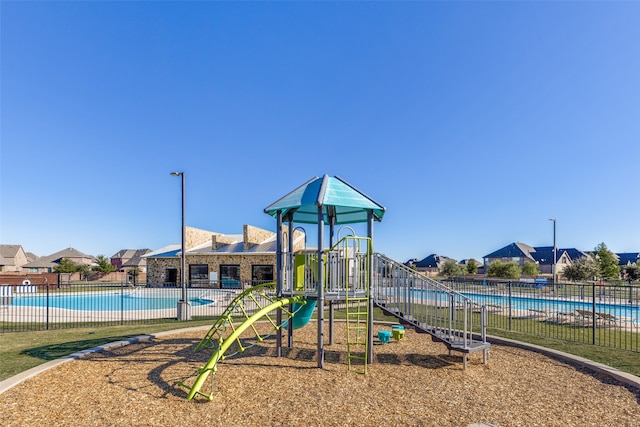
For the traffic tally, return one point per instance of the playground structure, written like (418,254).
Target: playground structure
(347,272)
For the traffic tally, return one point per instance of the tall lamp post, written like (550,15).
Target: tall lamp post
(553,271)
(184,312)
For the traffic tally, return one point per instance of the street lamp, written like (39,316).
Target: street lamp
(183,304)
(554,252)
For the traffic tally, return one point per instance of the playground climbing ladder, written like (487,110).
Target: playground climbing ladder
(354,255)
(357,313)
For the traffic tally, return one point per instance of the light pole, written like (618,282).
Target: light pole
(183,304)
(553,271)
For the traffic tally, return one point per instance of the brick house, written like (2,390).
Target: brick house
(127,259)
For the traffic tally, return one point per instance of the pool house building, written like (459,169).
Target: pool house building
(218,260)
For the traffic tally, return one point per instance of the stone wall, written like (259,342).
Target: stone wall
(218,240)
(157,267)
(195,236)
(253,236)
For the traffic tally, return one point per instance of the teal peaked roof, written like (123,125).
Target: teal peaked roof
(338,199)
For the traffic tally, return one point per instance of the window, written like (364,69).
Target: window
(261,274)
(230,276)
(199,273)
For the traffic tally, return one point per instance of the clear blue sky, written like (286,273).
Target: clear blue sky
(471,122)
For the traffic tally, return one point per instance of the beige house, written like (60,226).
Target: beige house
(12,258)
(72,254)
(218,260)
(39,265)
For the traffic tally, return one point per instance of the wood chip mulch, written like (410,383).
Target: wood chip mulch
(413,382)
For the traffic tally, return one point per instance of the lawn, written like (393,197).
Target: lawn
(20,351)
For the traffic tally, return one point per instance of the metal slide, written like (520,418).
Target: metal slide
(211,366)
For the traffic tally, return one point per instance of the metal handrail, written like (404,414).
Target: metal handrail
(425,302)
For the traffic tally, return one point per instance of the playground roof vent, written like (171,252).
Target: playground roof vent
(339,200)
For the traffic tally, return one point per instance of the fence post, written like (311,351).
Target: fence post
(593,311)
(510,314)
(121,303)
(46,313)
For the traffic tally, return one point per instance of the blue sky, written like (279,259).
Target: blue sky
(473,123)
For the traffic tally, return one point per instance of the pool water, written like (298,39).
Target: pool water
(104,302)
(631,311)
(522,303)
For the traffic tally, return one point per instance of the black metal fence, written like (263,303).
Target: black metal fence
(32,308)
(592,313)
(606,316)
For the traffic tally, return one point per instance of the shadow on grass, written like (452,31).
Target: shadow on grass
(56,351)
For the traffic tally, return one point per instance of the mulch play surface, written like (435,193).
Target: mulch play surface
(413,382)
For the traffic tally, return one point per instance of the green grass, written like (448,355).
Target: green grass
(20,351)
(623,360)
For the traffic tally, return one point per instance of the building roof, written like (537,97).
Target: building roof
(574,253)
(539,254)
(626,258)
(136,261)
(513,250)
(9,251)
(130,253)
(169,251)
(432,261)
(544,254)
(66,253)
(339,200)
(40,263)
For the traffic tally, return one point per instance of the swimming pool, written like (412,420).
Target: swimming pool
(525,304)
(112,301)
(558,305)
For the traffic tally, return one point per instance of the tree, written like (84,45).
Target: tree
(505,270)
(607,263)
(134,272)
(472,266)
(66,266)
(103,266)
(632,272)
(451,268)
(530,269)
(582,269)
(84,270)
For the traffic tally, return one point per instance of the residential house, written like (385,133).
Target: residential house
(128,259)
(218,260)
(542,256)
(72,254)
(12,258)
(430,265)
(39,265)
